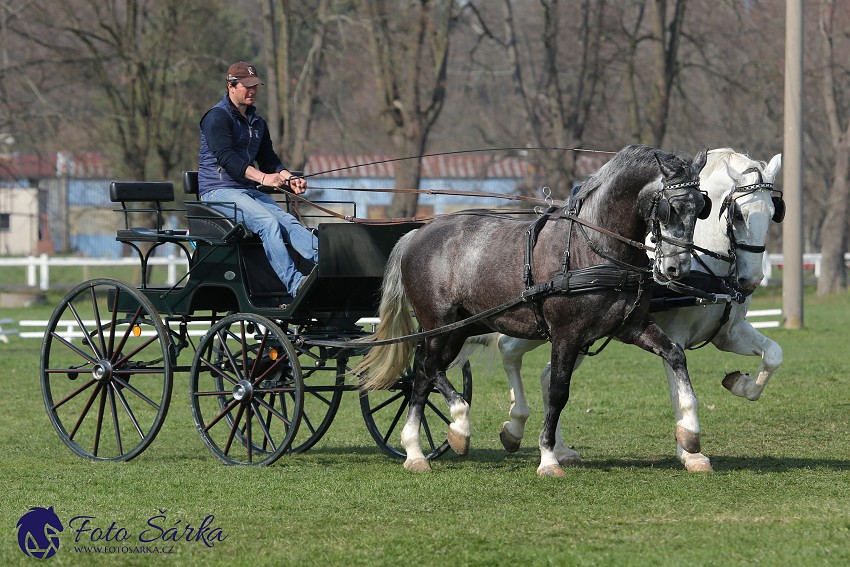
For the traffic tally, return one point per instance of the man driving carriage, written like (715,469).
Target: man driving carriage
(233,139)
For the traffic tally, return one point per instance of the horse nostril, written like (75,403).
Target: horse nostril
(672,270)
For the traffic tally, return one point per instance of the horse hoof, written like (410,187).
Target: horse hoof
(688,440)
(459,443)
(699,466)
(509,441)
(419,465)
(731,380)
(740,385)
(551,470)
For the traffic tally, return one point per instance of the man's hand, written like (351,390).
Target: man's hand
(297,184)
(284,181)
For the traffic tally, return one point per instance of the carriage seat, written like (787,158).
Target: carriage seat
(204,220)
(131,192)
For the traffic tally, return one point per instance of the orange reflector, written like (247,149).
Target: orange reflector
(273,353)
(137,331)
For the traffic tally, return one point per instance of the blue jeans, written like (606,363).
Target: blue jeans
(275,227)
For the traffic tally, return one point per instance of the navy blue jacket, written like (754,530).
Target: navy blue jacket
(230,143)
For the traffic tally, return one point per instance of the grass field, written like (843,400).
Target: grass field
(780,493)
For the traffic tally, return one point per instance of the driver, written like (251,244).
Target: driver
(236,156)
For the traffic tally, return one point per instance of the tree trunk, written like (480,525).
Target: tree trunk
(833,275)
(409,50)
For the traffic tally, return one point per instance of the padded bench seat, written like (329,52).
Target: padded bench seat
(158,192)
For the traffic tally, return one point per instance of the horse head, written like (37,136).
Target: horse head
(748,203)
(671,207)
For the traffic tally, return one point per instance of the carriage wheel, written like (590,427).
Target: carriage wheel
(385,412)
(106,370)
(246,390)
(323,389)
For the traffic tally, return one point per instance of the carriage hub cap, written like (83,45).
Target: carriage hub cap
(243,391)
(102,370)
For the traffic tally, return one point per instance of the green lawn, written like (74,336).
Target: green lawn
(780,493)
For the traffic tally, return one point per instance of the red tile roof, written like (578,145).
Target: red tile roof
(15,167)
(441,166)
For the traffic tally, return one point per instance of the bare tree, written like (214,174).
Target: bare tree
(554,81)
(833,86)
(293,76)
(409,47)
(649,103)
(132,71)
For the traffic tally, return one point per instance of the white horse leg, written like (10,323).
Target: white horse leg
(682,395)
(513,430)
(695,462)
(459,428)
(742,338)
(565,456)
(415,461)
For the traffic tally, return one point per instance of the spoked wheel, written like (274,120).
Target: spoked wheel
(385,412)
(106,370)
(246,390)
(324,385)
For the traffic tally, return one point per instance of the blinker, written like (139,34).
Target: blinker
(706,207)
(662,209)
(778,209)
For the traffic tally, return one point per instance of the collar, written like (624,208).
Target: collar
(250,112)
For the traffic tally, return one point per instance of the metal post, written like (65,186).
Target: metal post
(792,228)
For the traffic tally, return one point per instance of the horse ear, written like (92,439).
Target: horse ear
(733,174)
(699,161)
(666,170)
(772,169)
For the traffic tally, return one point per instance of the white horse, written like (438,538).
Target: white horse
(729,251)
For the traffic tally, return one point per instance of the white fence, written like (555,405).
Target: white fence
(38,267)
(810,261)
(71,330)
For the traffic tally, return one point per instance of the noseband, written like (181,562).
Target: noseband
(734,245)
(660,215)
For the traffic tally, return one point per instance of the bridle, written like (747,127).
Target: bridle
(731,258)
(659,214)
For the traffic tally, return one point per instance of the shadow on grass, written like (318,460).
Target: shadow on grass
(498,459)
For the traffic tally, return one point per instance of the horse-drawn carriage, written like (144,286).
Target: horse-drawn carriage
(258,387)
(268,374)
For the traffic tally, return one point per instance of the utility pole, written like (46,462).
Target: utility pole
(792,228)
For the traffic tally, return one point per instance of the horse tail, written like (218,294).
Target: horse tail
(382,366)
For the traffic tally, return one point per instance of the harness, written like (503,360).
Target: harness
(617,275)
(702,288)
(572,282)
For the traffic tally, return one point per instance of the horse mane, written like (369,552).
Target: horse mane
(740,162)
(636,159)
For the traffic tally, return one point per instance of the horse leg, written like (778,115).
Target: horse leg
(744,339)
(513,349)
(459,428)
(566,456)
(694,462)
(441,351)
(415,460)
(652,339)
(563,361)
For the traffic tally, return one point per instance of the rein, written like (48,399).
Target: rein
(458,152)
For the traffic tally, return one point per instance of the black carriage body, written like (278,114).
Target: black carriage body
(229,271)
(259,387)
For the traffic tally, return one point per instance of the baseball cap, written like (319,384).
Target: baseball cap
(245,73)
